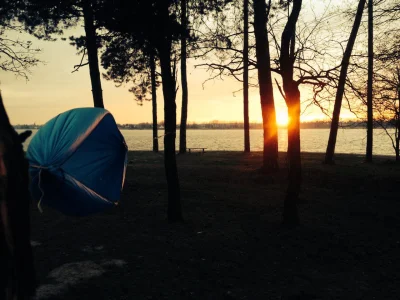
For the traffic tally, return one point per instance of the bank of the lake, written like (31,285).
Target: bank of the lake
(232,244)
(312,140)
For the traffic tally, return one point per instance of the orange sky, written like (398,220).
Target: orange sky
(52,89)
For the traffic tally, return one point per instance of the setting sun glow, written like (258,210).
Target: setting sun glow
(281,118)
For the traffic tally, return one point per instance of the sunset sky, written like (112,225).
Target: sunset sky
(52,89)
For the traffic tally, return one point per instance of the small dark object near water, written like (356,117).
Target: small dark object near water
(199,148)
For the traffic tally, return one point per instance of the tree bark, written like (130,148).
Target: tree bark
(154,101)
(246,76)
(290,211)
(168,86)
(397,142)
(270,155)
(370,117)
(184,110)
(91,46)
(292,98)
(17,272)
(398,119)
(330,150)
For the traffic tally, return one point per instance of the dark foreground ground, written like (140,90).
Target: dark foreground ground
(232,245)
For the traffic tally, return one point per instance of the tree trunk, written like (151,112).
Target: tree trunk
(397,142)
(91,46)
(270,156)
(290,212)
(184,111)
(330,150)
(17,272)
(168,85)
(154,101)
(397,136)
(292,98)
(246,76)
(370,116)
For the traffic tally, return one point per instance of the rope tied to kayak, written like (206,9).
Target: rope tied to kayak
(39,205)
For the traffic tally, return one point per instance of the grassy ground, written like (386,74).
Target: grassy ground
(232,245)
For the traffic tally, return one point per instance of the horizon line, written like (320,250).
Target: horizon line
(217,122)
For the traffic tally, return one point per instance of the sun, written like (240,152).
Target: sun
(282,118)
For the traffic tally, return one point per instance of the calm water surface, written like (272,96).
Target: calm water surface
(312,140)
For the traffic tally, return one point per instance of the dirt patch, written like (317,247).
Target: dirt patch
(71,274)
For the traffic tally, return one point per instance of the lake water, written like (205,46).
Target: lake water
(312,140)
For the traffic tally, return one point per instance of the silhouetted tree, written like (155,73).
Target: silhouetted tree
(292,98)
(377,65)
(300,60)
(386,77)
(164,47)
(154,100)
(370,117)
(341,85)
(17,274)
(127,60)
(154,25)
(246,121)
(92,51)
(45,18)
(184,108)
(386,92)
(190,13)
(225,46)
(387,103)
(16,56)
(270,156)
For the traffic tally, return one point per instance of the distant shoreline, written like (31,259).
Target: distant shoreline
(215,128)
(217,125)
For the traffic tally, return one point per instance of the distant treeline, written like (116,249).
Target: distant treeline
(239,125)
(226,125)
